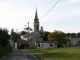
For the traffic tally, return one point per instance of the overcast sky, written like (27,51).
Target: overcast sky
(16,13)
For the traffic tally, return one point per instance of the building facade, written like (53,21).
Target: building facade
(46,44)
(34,40)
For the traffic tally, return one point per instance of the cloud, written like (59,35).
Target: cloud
(74,1)
(76,12)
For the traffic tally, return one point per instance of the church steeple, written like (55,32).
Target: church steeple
(36,22)
(36,17)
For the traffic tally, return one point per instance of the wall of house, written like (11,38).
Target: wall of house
(24,38)
(74,41)
(47,45)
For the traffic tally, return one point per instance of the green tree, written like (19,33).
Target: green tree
(15,36)
(58,36)
(45,35)
(68,34)
(78,34)
(28,30)
(73,34)
(4,37)
(41,31)
(23,32)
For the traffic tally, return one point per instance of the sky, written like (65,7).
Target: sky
(65,16)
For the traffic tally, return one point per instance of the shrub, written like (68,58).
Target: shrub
(4,50)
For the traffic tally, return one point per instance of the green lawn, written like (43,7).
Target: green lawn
(70,53)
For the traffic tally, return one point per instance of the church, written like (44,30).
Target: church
(31,39)
(34,40)
(36,36)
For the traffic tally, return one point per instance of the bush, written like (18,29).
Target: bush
(1,49)
(4,50)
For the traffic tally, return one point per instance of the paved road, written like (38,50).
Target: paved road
(20,55)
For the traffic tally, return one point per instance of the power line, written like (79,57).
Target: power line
(50,9)
(57,12)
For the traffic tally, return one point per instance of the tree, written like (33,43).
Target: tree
(23,32)
(73,34)
(41,31)
(4,37)
(28,30)
(58,36)
(68,34)
(15,36)
(78,34)
(45,35)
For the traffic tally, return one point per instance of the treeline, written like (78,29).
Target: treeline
(5,48)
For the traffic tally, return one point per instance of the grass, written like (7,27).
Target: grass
(70,53)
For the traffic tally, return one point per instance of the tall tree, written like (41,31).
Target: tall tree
(45,35)
(58,36)
(41,30)
(4,37)
(28,30)
(23,32)
(78,34)
(68,34)
(15,36)
(73,34)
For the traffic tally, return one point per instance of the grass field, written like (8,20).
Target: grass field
(70,53)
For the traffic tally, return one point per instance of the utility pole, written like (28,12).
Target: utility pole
(28,31)
(28,35)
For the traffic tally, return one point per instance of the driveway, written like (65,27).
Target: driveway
(20,55)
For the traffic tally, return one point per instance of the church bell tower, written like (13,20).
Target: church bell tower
(36,23)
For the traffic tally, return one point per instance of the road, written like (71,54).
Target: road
(20,55)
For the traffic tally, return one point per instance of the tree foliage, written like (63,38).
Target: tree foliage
(45,35)
(68,34)
(78,34)
(15,36)
(23,32)
(73,34)
(4,37)
(28,30)
(57,36)
(41,31)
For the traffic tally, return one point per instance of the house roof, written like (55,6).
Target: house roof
(46,42)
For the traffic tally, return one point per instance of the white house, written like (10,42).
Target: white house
(46,44)
(75,41)
(24,37)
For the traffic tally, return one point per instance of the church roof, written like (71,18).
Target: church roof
(36,17)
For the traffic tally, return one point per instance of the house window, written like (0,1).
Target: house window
(38,45)
(51,45)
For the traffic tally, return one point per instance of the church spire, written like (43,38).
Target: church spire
(36,17)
